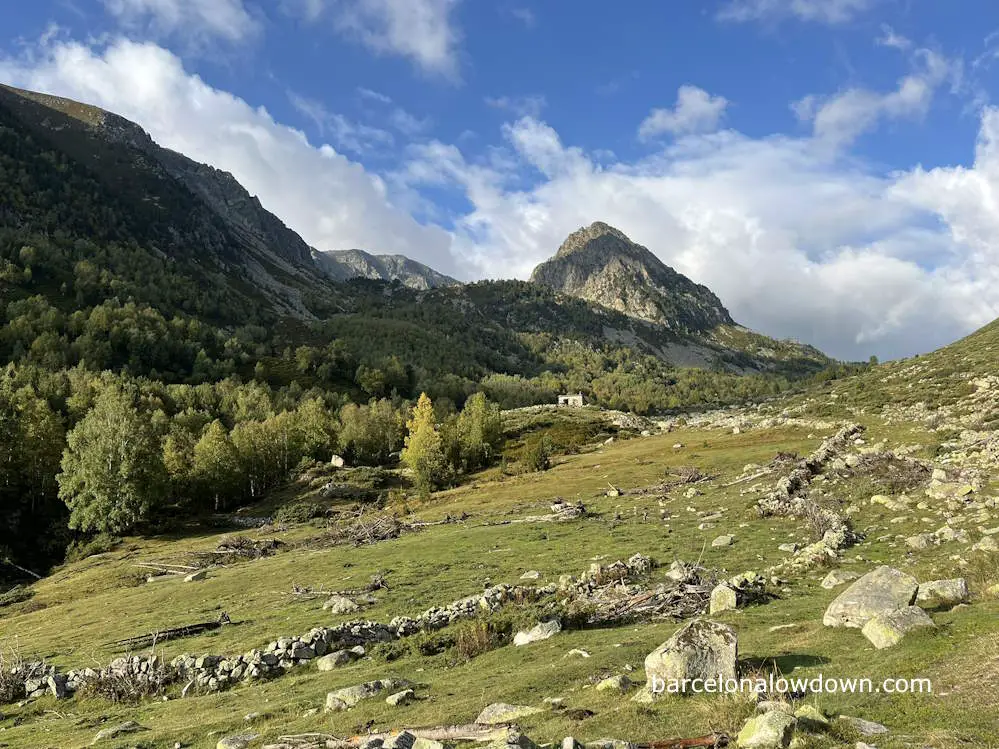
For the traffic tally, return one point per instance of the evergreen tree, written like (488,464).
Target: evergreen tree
(424,449)
(112,468)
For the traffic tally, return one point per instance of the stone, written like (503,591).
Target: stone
(512,740)
(880,591)
(196,576)
(338,605)
(701,649)
(988,543)
(334,660)
(771,730)
(570,743)
(531,575)
(620,684)
(337,461)
(240,741)
(578,653)
(811,717)
(864,727)
(921,541)
(401,698)
(888,629)
(500,713)
(838,577)
(422,743)
(348,697)
(129,726)
(722,541)
(540,632)
(723,598)
(56,685)
(942,594)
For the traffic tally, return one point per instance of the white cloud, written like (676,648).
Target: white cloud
(519,106)
(199,20)
(525,16)
(839,119)
(346,135)
(332,202)
(819,11)
(891,39)
(423,31)
(696,111)
(797,244)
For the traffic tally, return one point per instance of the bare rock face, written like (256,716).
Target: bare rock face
(880,591)
(600,264)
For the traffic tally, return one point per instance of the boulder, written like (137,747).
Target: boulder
(811,717)
(129,726)
(722,541)
(771,730)
(620,684)
(338,605)
(512,740)
(348,697)
(197,576)
(540,632)
(888,629)
(880,591)
(334,660)
(702,649)
(500,713)
(401,740)
(723,598)
(401,698)
(942,594)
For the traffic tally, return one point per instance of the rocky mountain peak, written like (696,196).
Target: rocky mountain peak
(600,264)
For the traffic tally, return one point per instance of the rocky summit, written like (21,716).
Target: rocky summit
(601,264)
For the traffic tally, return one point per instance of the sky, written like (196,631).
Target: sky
(829,168)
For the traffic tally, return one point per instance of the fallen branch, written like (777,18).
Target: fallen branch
(744,479)
(189,630)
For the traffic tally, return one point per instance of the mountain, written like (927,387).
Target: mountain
(178,208)
(342,265)
(600,264)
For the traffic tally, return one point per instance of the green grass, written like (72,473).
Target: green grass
(90,603)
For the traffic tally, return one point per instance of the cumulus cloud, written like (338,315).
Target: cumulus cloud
(423,31)
(696,111)
(331,201)
(797,243)
(228,20)
(839,119)
(819,11)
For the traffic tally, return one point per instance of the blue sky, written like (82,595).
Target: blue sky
(824,165)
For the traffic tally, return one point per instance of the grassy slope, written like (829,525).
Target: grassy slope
(93,602)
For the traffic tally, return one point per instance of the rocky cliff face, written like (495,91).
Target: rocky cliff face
(341,265)
(601,264)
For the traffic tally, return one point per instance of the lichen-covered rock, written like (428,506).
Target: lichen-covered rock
(540,632)
(620,684)
(838,577)
(348,697)
(771,730)
(942,594)
(888,629)
(241,741)
(723,598)
(702,649)
(880,591)
(106,734)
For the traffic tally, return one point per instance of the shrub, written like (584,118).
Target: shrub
(537,454)
(299,512)
(99,544)
(17,594)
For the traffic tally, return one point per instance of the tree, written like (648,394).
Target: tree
(424,449)
(216,464)
(370,434)
(479,432)
(112,468)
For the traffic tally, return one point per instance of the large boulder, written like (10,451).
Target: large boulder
(880,591)
(702,649)
(942,594)
(723,598)
(888,629)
